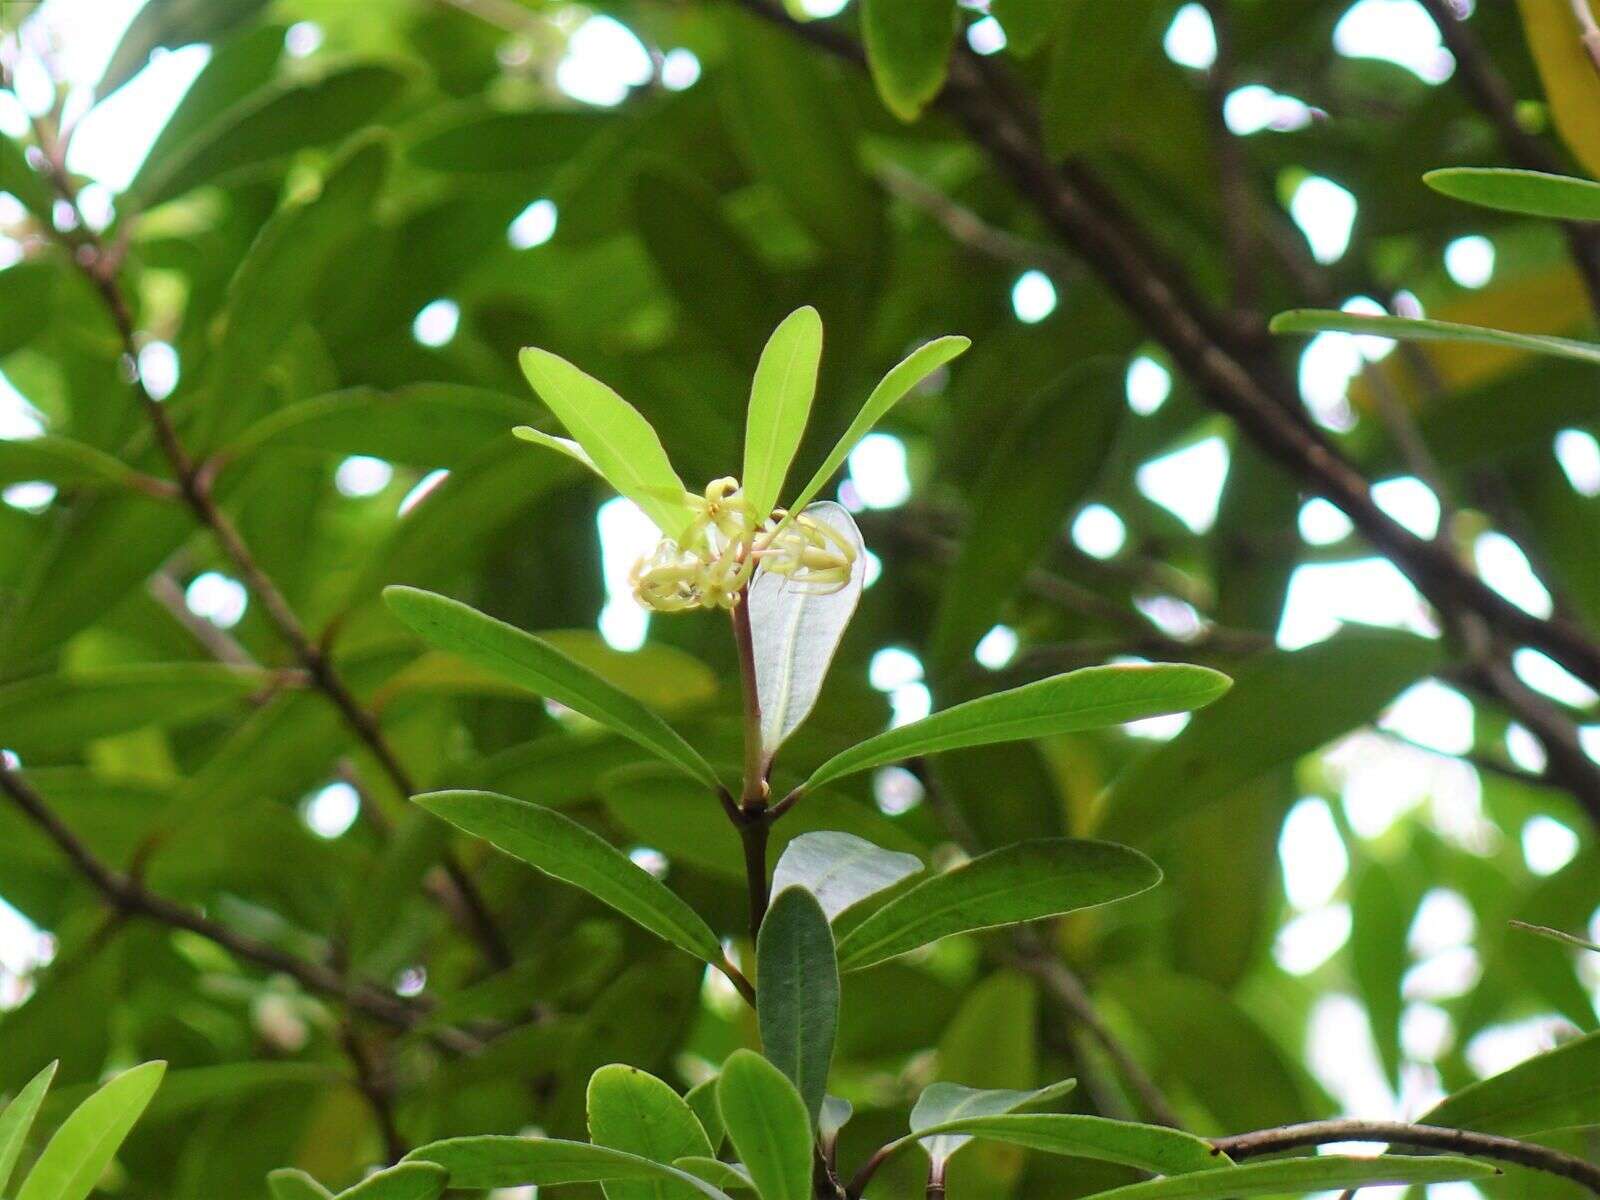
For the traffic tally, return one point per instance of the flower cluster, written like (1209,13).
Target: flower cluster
(718,554)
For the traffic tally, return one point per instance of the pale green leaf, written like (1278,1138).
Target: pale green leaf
(403,1181)
(17,1120)
(1559,1089)
(1297,1176)
(75,1158)
(291,1183)
(840,869)
(767,1124)
(942,1104)
(780,403)
(498,1161)
(1318,320)
(1153,1148)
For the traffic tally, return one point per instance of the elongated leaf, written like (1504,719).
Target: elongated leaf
(75,1158)
(908,50)
(403,1181)
(1295,1176)
(768,1125)
(727,1176)
(1023,882)
(797,993)
(1318,320)
(560,445)
(536,665)
(1534,193)
(780,403)
(291,1183)
(498,1161)
(840,869)
(942,1104)
(633,1111)
(624,447)
(561,847)
(702,1099)
(892,388)
(1153,1148)
(17,1120)
(1559,1089)
(1092,698)
(1556,935)
(57,460)
(796,630)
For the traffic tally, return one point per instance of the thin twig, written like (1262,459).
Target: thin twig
(374,1083)
(1431,1137)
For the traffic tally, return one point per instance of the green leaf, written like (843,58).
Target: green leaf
(906,375)
(768,1125)
(1153,1148)
(498,1161)
(22,181)
(291,1183)
(780,403)
(1559,1089)
(908,50)
(1533,193)
(1091,698)
(702,1098)
(796,631)
(727,1176)
(562,848)
(541,668)
(403,1181)
(797,993)
(1027,881)
(84,1146)
(1028,23)
(942,1104)
(1297,1176)
(28,292)
(560,445)
(57,460)
(633,1111)
(17,1120)
(1318,320)
(625,449)
(170,26)
(1100,57)
(840,869)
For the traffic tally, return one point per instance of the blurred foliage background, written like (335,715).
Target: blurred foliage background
(329,225)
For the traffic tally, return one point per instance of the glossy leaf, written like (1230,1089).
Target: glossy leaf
(840,869)
(1153,1148)
(1027,881)
(727,1176)
(1092,698)
(1559,1089)
(908,50)
(403,1181)
(780,404)
(796,631)
(621,443)
(942,1104)
(290,1183)
(768,1125)
(536,665)
(1532,193)
(633,1111)
(1296,1176)
(797,993)
(561,847)
(77,1155)
(498,1161)
(17,1120)
(894,387)
(1317,320)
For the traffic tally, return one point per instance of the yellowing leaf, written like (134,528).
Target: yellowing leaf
(1571,83)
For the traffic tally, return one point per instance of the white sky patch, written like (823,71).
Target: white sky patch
(1312,938)
(1174,617)
(1397,31)
(1426,1032)
(421,491)
(1469,260)
(1498,1048)
(1380,780)
(878,471)
(1188,482)
(680,69)
(362,475)
(997,648)
(1148,385)
(24,947)
(217,598)
(1547,845)
(874,569)
(604,60)
(1542,673)
(1322,523)
(1506,569)
(893,667)
(31,496)
(1098,531)
(1410,502)
(437,323)
(159,369)
(626,536)
(823,8)
(896,791)
(1341,1054)
(330,812)
(1523,749)
(1312,855)
(1326,213)
(1033,297)
(1443,921)
(1158,729)
(1327,365)
(110,143)
(1367,591)
(1254,107)
(533,226)
(986,36)
(1370,347)
(1579,456)
(1432,715)
(910,704)
(1443,976)
(1191,39)
(303,39)
(649,859)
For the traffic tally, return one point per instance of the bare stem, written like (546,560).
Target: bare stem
(755,782)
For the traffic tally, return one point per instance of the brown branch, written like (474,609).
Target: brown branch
(1430,1137)
(126,896)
